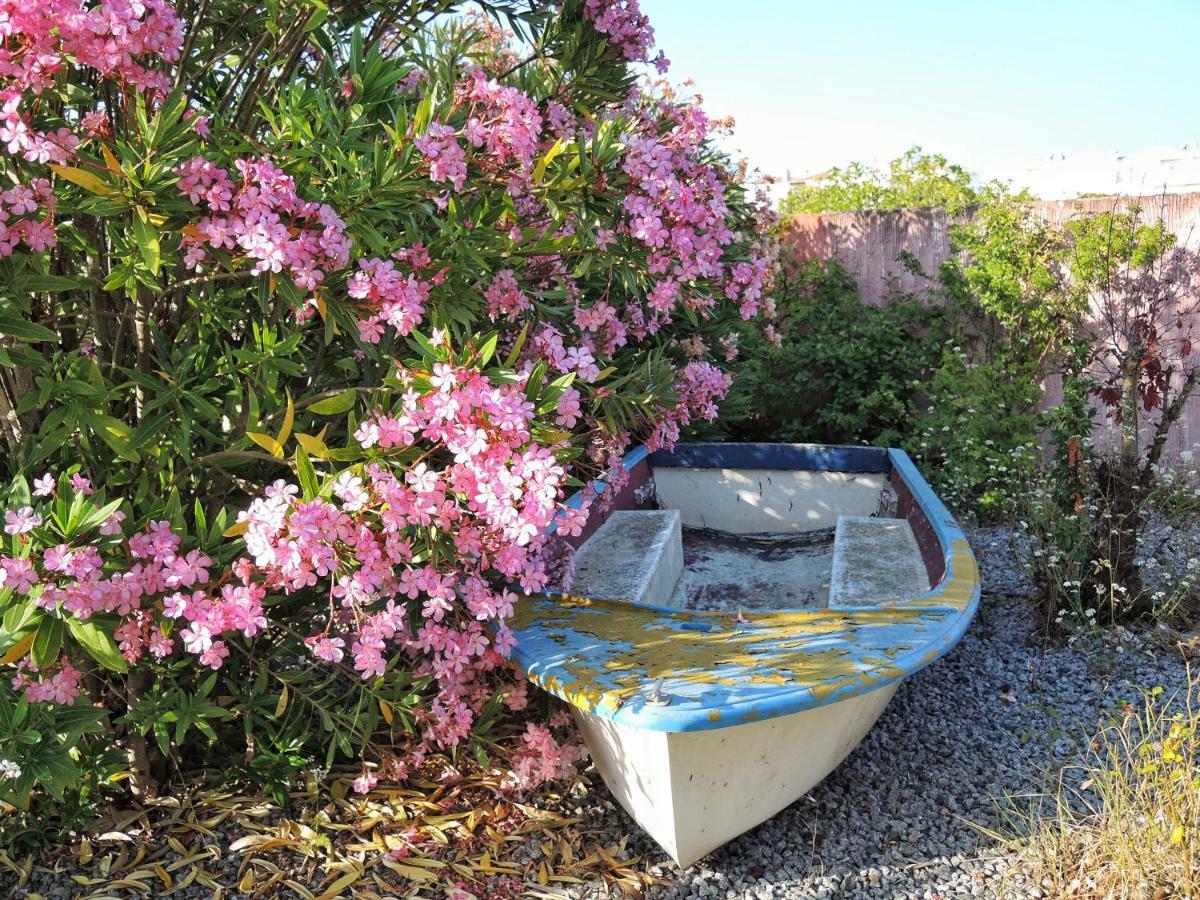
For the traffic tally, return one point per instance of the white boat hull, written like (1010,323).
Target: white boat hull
(694,791)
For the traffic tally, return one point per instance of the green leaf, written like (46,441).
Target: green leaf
(423,346)
(47,642)
(534,384)
(115,433)
(100,515)
(332,406)
(48,284)
(309,483)
(488,348)
(16,327)
(18,492)
(98,643)
(515,353)
(146,237)
(16,619)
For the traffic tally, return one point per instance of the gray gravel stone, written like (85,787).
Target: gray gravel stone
(901,817)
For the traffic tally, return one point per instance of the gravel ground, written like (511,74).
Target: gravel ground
(898,818)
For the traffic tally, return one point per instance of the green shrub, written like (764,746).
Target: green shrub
(842,371)
(976,437)
(913,179)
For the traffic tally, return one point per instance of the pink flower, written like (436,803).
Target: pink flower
(215,655)
(199,122)
(160,645)
(18,574)
(447,162)
(111,526)
(572,520)
(197,638)
(327,648)
(82,485)
(44,486)
(365,782)
(21,521)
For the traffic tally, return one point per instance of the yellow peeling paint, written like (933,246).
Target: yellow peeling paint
(964,577)
(824,651)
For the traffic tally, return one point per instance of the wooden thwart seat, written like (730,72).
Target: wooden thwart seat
(875,561)
(637,555)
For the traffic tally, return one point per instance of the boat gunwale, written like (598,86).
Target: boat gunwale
(948,619)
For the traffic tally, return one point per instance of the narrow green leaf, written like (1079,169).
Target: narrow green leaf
(47,642)
(16,327)
(98,644)
(332,406)
(309,483)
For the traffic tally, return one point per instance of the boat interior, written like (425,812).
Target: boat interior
(734,539)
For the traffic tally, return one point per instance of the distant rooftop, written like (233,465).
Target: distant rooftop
(1062,176)
(1154,170)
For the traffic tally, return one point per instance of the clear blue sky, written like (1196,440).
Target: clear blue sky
(814,84)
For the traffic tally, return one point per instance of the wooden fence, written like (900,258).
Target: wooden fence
(870,246)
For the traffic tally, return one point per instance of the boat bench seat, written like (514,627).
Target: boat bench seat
(637,555)
(875,560)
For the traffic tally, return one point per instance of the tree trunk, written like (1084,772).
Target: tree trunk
(146,765)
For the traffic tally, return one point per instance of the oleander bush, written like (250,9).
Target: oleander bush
(312,315)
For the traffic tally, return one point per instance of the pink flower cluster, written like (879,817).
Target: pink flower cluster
(59,684)
(410,554)
(677,211)
(76,578)
(123,40)
(504,297)
(447,161)
(699,386)
(262,217)
(548,344)
(541,758)
(120,39)
(504,120)
(623,23)
(27,217)
(390,296)
(81,580)
(19,139)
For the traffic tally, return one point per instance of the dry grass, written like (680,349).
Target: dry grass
(1126,821)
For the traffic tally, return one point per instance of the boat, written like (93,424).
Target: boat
(738,621)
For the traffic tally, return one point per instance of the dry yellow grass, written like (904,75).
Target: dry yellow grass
(1125,822)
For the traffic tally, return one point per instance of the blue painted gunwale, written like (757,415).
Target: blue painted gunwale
(547,654)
